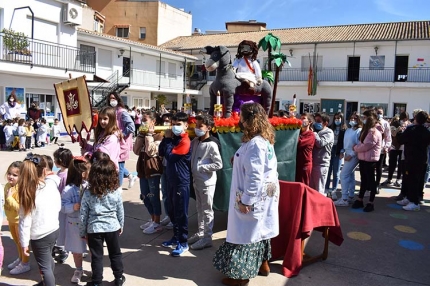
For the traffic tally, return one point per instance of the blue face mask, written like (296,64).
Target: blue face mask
(352,123)
(199,132)
(318,126)
(177,130)
(337,122)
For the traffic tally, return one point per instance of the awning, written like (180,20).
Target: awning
(122,26)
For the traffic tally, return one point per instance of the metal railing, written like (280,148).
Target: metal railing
(45,54)
(362,74)
(152,79)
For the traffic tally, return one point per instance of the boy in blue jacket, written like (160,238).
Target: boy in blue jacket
(176,149)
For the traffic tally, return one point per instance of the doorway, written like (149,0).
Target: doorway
(401,68)
(351,107)
(353,68)
(126,66)
(398,108)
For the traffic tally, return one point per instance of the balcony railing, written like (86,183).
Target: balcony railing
(50,55)
(362,74)
(152,79)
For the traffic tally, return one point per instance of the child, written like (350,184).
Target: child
(8,132)
(55,131)
(205,161)
(11,207)
(176,149)
(102,219)
(42,132)
(21,134)
(29,131)
(38,217)
(62,159)
(70,205)
(107,136)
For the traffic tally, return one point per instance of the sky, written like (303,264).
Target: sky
(212,15)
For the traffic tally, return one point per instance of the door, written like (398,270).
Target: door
(401,68)
(126,66)
(353,68)
(351,107)
(398,108)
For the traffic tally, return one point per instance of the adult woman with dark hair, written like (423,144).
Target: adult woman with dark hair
(126,126)
(368,152)
(347,175)
(38,218)
(305,145)
(11,108)
(254,198)
(338,126)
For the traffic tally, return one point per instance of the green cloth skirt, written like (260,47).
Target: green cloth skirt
(241,261)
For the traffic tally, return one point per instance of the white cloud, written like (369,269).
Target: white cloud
(393,7)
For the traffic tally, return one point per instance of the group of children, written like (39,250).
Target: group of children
(90,212)
(20,134)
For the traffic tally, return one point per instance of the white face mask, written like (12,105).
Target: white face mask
(11,99)
(113,103)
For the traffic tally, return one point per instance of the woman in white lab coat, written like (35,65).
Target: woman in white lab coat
(254,198)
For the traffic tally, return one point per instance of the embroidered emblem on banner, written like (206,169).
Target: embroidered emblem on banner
(71,97)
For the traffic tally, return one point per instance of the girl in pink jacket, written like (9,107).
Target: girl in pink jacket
(107,136)
(368,152)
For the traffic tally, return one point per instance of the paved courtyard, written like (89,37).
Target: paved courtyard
(386,247)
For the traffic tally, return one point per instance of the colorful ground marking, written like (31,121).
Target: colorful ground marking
(399,216)
(395,206)
(360,210)
(390,190)
(405,229)
(359,221)
(358,235)
(411,245)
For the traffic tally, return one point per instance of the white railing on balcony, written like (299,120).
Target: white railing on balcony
(152,79)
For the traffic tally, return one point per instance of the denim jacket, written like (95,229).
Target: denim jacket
(98,215)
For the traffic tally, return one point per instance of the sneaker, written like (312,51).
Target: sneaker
(411,207)
(193,239)
(341,203)
(77,275)
(62,257)
(165,221)
(387,183)
(119,281)
(202,243)
(369,208)
(333,195)
(153,228)
(20,268)
(146,225)
(398,184)
(180,249)
(131,180)
(403,202)
(357,204)
(169,225)
(378,189)
(14,264)
(169,243)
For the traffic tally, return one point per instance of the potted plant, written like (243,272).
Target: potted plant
(16,45)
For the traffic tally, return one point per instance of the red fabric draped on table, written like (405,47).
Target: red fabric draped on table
(302,209)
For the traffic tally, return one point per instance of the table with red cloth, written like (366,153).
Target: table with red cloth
(301,210)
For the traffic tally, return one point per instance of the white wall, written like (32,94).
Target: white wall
(172,23)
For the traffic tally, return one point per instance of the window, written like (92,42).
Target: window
(122,32)
(161,67)
(98,26)
(138,102)
(308,61)
(172,70)
(142,34)
(146,103)
(87,56)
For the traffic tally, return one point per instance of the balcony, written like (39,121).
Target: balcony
(152,79)
(50,55)
(362,75)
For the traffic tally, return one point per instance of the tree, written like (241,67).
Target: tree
(161,99)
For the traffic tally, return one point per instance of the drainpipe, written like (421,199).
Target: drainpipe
(395,60)
(184,74)
(159,76)
(353,55)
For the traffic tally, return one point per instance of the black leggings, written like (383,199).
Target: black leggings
(42,250)
(394,160)
(368,183)
(378,168)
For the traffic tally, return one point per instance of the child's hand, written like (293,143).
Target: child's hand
(76,207)
(168,133)
(26,251)
(120,231)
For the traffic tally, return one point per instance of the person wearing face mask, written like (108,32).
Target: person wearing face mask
(126,126)
(338,126)
(305,145)
(394,154)
(11,108)
(384,128)
(176,149)
(321,153)
(347,175)
(205,161)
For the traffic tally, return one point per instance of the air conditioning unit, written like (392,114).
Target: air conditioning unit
(72,14)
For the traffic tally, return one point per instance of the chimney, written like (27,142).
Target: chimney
(197,32)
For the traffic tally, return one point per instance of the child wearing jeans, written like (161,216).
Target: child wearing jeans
(175,148)
(70,204)
(102,219)
(205,161)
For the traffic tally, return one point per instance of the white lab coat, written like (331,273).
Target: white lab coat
(255,165)
(10,112)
